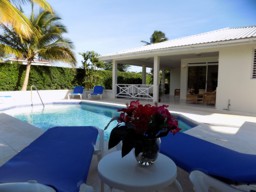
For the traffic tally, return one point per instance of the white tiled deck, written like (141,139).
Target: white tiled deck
(14,136)
(215,126)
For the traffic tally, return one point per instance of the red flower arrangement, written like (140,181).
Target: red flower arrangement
(137,122)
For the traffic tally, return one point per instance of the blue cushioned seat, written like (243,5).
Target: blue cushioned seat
(59,158)
(191,153)
(97,91)
(78,91)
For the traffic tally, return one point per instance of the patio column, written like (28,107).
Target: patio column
(114,78)
(163,81)
(156,79)
(143,74)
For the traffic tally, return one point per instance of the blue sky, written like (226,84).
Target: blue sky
(108,26)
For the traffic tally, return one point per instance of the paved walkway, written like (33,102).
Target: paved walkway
(14,136)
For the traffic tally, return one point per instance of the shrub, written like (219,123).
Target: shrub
(50,78)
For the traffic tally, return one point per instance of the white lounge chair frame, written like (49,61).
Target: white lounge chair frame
(203,183)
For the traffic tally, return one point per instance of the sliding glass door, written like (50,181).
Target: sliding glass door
(202,77)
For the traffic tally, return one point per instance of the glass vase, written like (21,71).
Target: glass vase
(147,151)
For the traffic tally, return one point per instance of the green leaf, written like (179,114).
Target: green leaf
(117,134)
(127,146)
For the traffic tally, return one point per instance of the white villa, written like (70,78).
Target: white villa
(220,62)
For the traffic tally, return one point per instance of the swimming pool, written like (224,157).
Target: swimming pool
(79,114)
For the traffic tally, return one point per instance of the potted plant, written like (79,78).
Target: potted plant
(140,127)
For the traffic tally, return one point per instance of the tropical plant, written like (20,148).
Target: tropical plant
(156,37)
(120,67)
(2,53)
(91,63)
(48,44)
(9,13)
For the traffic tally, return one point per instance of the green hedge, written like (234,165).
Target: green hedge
(50,78)
(44,77)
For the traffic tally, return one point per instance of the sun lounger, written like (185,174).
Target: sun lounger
(191,153)
(60,159)
(202,183)
(97,91)
(78,91)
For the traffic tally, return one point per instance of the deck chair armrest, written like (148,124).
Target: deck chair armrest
(203,182)
(99,146)
(30,186)
(86,188)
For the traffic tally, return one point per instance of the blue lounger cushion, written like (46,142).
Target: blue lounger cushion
(59,158)
(97,90)
(191,153)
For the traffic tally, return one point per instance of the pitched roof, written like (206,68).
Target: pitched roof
(221,35)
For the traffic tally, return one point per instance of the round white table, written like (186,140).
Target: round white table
(126,174)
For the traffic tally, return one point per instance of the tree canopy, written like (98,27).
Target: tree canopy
(156,37)
(91,63)
(10,14)
(120,67)
(49,43)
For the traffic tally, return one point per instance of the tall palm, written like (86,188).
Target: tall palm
(91,63)
(49,44)
(10,14)
(156,37)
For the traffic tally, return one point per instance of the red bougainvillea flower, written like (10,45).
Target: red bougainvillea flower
(137,121)
(146,118)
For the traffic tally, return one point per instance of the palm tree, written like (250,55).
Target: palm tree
(156,37)
(91,63)
(48,44)
(9,13)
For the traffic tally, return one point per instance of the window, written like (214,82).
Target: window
(254,66)
(203,77)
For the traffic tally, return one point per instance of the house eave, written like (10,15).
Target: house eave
(178,49)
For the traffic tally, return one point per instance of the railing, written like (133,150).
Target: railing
(31,88)
(138,91)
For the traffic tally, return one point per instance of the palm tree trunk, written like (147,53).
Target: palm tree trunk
(25,83)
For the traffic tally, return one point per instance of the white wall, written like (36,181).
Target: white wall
(174,80)
(14,98)
(234,81)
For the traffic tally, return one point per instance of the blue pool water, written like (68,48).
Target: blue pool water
(77,115)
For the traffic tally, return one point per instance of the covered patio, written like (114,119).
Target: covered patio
(185,68)
(173,76)
(197,69)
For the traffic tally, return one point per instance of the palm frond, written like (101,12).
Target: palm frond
(11,39)
(42,3)
(10,50)
(59,54)
(10,14)
(49,44)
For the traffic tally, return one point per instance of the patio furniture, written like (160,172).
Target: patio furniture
(97,91)
(176,92)
(192,98)
(78,91)
(191,153)
(60,158)
(125,173)
(202,183)
(210,98)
